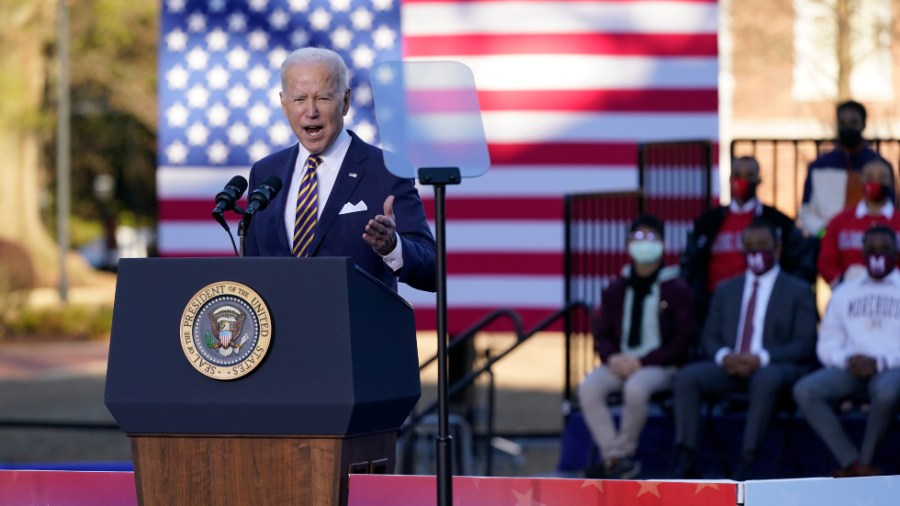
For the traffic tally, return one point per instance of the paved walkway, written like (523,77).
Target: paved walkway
(63,383)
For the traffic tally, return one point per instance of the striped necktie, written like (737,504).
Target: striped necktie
(307,208)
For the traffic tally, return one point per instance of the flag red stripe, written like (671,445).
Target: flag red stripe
(505,263)
(563,153)
(619,44)
(655,100)
(460,318)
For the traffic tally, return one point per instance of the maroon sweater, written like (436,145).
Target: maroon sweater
(676,321)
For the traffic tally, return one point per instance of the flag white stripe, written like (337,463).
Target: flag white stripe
(504,181)
(587,72)
(450,18)
(520,291)
(483,236)
(546,126)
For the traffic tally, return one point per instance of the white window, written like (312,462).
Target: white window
(815,50)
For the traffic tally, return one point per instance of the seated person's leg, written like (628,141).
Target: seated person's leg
(884,398)
(592,394)
(693,383)
(816,394)
(766,388)
(638,389)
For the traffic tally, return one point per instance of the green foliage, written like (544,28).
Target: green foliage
(16,278)
(208,339)
(114,109)
(62,323)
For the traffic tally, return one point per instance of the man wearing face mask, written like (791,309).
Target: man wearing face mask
(859,347)
(644,332)
(714,249)
(760,338)
(840,253)
(833,179)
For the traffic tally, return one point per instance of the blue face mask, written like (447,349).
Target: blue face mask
(645,252)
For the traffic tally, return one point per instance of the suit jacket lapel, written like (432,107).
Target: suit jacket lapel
(738,308)
(774,305)
(343,187)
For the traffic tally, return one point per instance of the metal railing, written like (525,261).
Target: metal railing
(676,185)
(408,429)
(784,163)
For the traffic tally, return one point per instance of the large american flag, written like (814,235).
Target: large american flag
(567,89)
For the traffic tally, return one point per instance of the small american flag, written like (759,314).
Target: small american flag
(567,90)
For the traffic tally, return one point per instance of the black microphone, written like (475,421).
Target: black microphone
(262,195)
(226,198)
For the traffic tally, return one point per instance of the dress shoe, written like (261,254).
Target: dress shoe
(686,467)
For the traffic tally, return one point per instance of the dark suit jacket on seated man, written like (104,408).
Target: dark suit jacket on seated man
(761,337)
(350,185)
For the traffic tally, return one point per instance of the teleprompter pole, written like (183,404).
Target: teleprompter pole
(439,178)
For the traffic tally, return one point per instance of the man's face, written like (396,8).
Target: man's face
(745,169)
(879,244)
(876,172)
(850,118)
(758,239)
(314,104)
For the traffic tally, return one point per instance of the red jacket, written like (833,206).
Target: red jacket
(843,240)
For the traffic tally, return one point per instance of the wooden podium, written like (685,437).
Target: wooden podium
(338,379)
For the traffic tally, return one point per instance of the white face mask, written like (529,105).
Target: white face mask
(645,252)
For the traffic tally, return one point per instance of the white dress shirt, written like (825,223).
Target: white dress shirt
(763,294)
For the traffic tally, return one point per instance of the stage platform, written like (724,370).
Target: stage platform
(791,449)
(83,488)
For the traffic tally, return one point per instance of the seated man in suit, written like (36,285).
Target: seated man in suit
(646,326)
(335,184)
(760,336)
(859,347)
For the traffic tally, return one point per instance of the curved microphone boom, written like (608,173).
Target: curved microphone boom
(262,195)
(227,199)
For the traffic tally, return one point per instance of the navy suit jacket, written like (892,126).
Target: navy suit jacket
(362,177)
(789,328)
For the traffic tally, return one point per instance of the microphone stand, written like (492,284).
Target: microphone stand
(439,178)
(243,225)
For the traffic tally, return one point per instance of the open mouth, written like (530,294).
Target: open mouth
(313,131)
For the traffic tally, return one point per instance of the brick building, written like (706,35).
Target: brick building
(778,80)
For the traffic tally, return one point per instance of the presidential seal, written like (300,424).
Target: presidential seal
(225,330)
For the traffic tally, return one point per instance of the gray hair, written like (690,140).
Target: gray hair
(315,55)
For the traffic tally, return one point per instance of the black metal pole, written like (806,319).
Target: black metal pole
(440,177)
(243,225)
(444,440)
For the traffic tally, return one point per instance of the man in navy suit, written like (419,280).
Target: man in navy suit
(349,185)
(760,337)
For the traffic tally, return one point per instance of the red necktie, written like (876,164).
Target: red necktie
(747,334)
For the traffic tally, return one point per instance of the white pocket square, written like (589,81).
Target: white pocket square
(354,208)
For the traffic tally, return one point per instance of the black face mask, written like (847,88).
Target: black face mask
(849,138)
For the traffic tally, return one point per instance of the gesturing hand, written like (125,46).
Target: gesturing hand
(380,231)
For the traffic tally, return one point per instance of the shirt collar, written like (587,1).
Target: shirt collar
(766,278)
(334,155)
(748,206)
(892,279)
(887,210)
